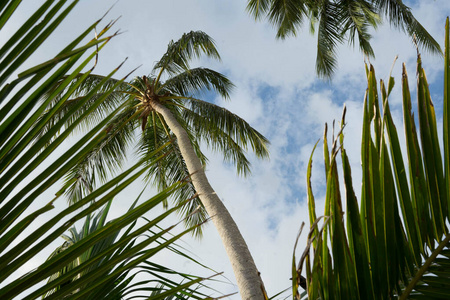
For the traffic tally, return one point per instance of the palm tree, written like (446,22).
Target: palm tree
(396,242)
(163,110)
(29,219)
(339,21)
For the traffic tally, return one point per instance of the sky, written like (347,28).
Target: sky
(277,92)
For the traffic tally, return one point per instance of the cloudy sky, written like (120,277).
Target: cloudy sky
(277,91)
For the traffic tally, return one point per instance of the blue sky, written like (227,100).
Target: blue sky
(277,91)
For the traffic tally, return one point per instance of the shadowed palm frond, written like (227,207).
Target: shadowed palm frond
(202,115)
(401,17)
(338,18)
(79,88)
(258,8)
(287,16)
(105,159)
(356,18)
(328,37)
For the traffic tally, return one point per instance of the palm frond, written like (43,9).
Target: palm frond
(105,159)
(396,243)
(327,39)
(178,55)
(401,17)
(258,8)
(336,19)
(119,285)
(75,92)
(287,16)
(356,18)
(225,131)
(27,173)
(198,80)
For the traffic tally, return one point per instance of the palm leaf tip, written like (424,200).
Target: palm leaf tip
(257,8)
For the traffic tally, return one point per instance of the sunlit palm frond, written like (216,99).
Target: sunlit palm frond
(225,124)
(28,175)
(198,80)
(178,55)
(395,243)
(118,284)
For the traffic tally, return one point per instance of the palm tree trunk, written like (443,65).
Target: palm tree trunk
(247,276)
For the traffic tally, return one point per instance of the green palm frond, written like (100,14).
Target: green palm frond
(119,285)
(340,21)
(401,17)
(34,159)
(198,80)
(81,85)
(327,39)
(258,8)
(220,141)
(105,159)
(287,16)
(357,17)
(222,120)
(191,45)
(396,241)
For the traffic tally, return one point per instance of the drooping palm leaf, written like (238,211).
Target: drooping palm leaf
(339,21)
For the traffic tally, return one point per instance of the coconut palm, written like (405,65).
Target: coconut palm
(29,176)
(396,242)
(338,21)
(164,110)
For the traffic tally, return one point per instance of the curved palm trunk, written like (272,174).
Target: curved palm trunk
(247,276)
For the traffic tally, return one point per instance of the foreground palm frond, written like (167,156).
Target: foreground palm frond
(120,280)
(395,242)
(35,157)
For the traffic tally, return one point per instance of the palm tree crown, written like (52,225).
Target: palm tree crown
(139,124)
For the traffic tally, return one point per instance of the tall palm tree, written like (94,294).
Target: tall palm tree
(163,110)
(30,220)
(338,21)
